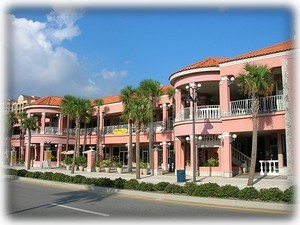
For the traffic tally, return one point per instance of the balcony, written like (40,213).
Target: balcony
(202,112)
(266,105)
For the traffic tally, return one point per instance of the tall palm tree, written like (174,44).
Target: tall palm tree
(76,108)
(21,116)
(255,81)
(141,113)
(99,103)
(29,124)
(10,122)
(150,89)
(127,95)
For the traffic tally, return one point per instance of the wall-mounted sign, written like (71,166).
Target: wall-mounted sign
(120,131)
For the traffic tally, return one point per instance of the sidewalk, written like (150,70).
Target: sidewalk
(240,181)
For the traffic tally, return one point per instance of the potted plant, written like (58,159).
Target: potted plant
(98,166)
(144,167)
(81,162)
(68,162)
(107,165)
(119,166)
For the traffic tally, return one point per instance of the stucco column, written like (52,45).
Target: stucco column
(91,157)
(101,148)
(193,155)
(42,149)
(27,149)
(58,155)
(101,123)
(165,116)
(165,156)
(43,119)
(226,155)
(179,155)
(224,92)
(280,153)
(178,103)
(155,161)
(60,124)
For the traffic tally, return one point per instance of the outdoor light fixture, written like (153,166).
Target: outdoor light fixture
(233,137)
(193,97)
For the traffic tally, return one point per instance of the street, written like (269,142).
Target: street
(26,200)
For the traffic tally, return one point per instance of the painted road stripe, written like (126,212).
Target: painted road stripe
(81,210)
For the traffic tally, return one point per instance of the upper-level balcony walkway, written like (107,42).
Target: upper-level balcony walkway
(237,108)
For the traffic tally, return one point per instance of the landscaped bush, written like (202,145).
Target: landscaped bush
(189,187)
(119,183)
(21,173)
(248,193)
(79,179)
(270,194)
(146,186)
(47,176)
(206,190)
(161,186)
(228,191)
(34,174)
(104,182)
(131,184)
(61,177)
(289,195)
(174,189)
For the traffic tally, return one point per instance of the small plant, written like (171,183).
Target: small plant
(144,165)
(118,164)
(98,163)
(80,160)
(68,161)
(212,162)
(106,163)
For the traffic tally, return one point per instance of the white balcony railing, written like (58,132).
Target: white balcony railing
(269,167)
(266,104)
(51,130)
(202,112)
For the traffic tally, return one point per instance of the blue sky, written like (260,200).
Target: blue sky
(95,52)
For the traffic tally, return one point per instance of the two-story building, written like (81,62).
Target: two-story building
(223,125)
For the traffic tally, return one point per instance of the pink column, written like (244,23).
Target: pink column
(101,122)
(226,155)
(91,157)
(165,156)
(193,155)
(224,92)
(60,124)
(42,149)
(179,155)
(178,102)
(280,154)
(101,152)
(43,119)
(155,161)
(165,116)
(27,160)
(58,155)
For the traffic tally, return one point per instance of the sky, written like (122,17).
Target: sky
(94,52)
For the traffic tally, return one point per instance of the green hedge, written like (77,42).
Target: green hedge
(189,188)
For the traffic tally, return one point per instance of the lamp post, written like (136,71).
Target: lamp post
(192,97)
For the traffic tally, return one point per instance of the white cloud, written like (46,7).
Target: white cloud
(39,65)
(106,74)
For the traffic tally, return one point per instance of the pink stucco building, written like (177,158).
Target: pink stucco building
(223,125)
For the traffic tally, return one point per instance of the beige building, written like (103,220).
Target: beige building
(18,105)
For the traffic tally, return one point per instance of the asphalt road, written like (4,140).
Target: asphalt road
(40,201)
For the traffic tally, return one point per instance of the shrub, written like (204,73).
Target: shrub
(34,174)
(12,171)
(119,183)
(189,187)
(270,194)
(68,160)
(78,179)
(228,191)
(61,177)
(22,173)
(131,184)
(206,190)
(80,160)
(146,186)
(161,186)
(248,193)
(47,176)
(289,195)
(104,182)
(174,188)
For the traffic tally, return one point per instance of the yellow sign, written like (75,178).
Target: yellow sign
(48,155)
(120,131)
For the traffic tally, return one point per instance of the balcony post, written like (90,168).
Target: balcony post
(165,116)
(224,92)
(60,124)
(226,155)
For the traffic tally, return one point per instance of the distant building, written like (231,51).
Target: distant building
(18,105)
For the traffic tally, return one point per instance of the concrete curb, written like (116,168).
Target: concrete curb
(212,202)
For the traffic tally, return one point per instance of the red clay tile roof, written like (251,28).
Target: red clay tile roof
(281,47)
(208,62)
(49,100)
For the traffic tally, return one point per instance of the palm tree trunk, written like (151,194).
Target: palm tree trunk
(255,106)
(84,138)
(29,150)
(68,133)
(130,156)
(98,135)
(76,145)
(137,150)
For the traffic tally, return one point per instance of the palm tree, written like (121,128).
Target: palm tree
(10,122)
(141,113)
(256,81)
(150,89)
(127,95)
(98,103)
(22,116)
(29,124)
(87,117)
(76,108)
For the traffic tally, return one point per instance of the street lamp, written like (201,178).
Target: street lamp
(192,97)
